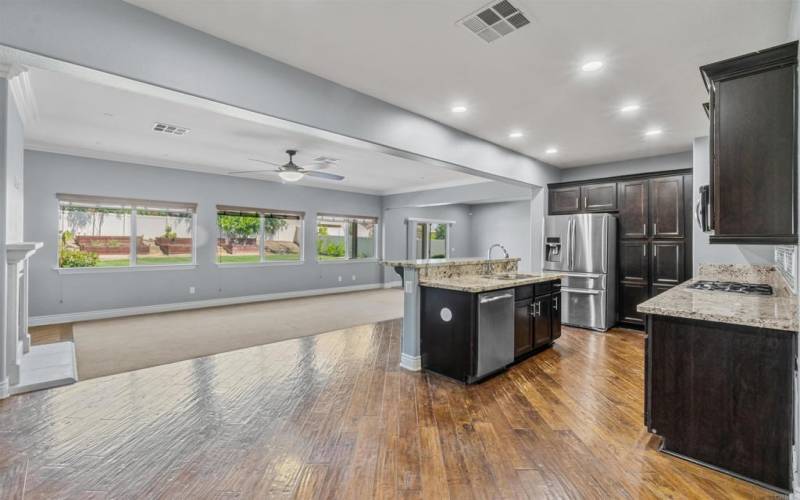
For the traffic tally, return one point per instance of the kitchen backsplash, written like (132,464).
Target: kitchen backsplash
(786,264)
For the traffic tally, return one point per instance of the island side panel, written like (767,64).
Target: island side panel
(410,358)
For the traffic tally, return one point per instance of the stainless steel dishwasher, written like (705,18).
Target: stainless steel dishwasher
(495,331)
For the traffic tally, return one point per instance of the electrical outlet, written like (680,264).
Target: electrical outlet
(340,279)
(191,290)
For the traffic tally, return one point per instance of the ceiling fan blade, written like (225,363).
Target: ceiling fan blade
(265,161)
(324,175)
(239,172)
(315,166)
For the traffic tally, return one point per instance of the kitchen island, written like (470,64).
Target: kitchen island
(719,373)
(465,275)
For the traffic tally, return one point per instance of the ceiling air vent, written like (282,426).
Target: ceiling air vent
(170,129)
(495,20)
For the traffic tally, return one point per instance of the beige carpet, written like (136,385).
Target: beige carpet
(111,346)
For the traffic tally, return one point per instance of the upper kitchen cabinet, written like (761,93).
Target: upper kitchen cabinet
(566,200)
(633,205)
(666,206)
(753,178)
(599,197)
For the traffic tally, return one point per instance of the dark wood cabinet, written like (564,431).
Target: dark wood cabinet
(633,208)
(653,215)
(753,150)
(668,266)
(564,200)
(634,263)
(599,197)
(666,207)
(537,317)
(722,395)
(523,333)
(631,294)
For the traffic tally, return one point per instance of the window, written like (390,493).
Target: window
(97,232)
(251,236)
(346,238)
(431,239)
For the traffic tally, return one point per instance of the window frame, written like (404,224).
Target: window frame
(261,237)
(426,231)
(133,204)
(350,221)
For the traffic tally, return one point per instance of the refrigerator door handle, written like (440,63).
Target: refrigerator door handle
(571,243)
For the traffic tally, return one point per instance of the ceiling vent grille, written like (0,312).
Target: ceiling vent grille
(170,129)
(495,20)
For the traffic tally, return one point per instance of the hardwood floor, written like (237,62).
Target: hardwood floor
(333,416)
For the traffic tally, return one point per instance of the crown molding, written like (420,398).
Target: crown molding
(10,70)
(22,90)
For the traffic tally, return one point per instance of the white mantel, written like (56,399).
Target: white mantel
(23,367)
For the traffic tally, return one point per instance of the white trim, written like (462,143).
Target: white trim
(54,319)
(124,269)
(437,185)
(22,90)
(393,284)
(349,261)
(411,363)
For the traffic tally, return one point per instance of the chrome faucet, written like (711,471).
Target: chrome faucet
(488,266)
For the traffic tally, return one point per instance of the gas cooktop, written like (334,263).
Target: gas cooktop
(731,286)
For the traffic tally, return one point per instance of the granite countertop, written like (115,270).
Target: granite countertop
(477,283)
(778,311)
(425,263)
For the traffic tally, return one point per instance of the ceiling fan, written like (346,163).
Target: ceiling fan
(291,172)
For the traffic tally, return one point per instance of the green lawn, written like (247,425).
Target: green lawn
(144,261)
(253,259)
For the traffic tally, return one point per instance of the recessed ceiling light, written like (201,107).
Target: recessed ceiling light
(515,134)
(551,151)
(459,109)
(629,108)
(653,131)
(592,65)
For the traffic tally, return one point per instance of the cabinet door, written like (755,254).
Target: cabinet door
(542,321)
(754,170)
(555,315)
(599,197)
(523,335)
(564,200)
(634,261)
(630,296)
(633,205)
(667,263)
(666,207)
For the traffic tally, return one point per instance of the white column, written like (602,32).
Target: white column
(13,343)
(410,358)
(24,336)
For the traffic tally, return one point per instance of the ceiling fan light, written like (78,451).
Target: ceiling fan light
(289,176)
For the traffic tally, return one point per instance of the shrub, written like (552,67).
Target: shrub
(169,233)
(69,257)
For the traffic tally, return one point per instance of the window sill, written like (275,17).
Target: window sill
(348,261)
(244,265)
(125,269)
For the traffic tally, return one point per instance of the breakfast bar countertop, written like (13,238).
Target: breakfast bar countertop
(484,283)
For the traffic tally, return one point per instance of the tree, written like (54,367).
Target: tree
(272,225)
(237,227)
(440,232)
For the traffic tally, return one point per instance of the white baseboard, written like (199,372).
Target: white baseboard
(411,363)
(4,393)
(54,319)
(393,284)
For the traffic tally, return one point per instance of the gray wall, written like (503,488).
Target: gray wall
(52,293)
(660,163)
(143,46)
(396,231)
(702,251)
(506,223)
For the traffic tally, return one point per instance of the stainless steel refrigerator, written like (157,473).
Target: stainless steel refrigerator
(583,247)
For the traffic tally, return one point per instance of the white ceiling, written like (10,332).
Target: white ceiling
(96,120)
(414,55)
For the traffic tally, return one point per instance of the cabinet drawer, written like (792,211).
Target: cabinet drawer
(542,288)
